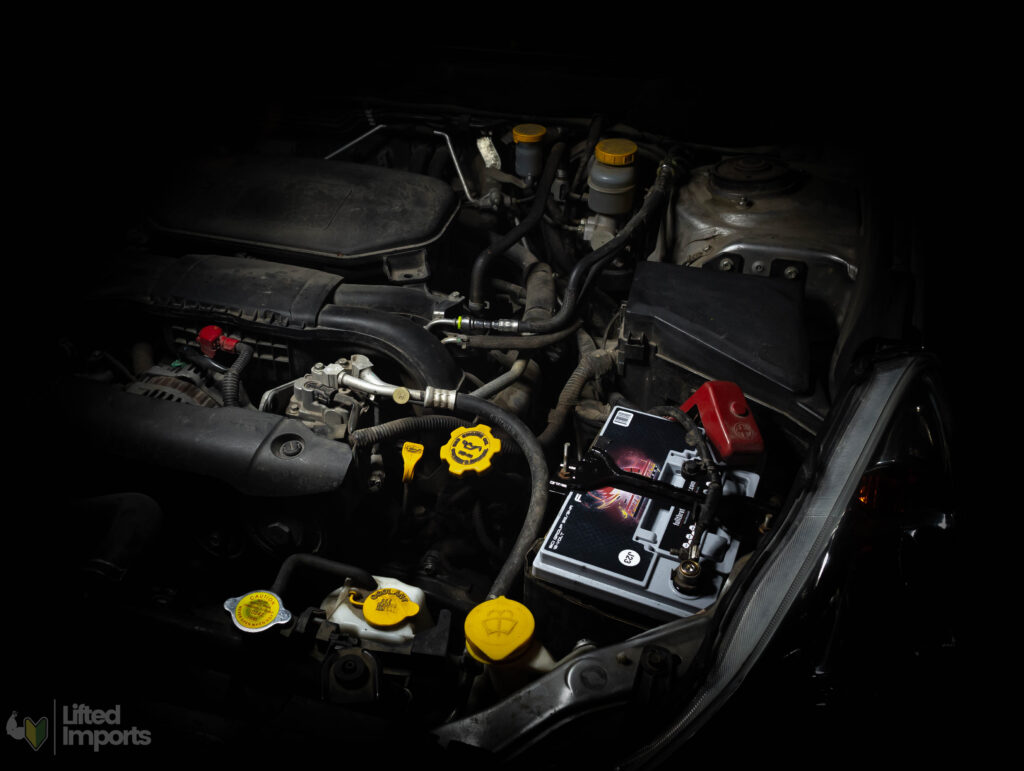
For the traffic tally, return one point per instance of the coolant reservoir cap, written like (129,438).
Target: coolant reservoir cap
(498,629)
(470,449)
(257,611)
(616,152)
(528,132)
(389,607)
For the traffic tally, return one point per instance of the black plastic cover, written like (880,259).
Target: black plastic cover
(248,289)
(305,207)
(725,326)
(257,453)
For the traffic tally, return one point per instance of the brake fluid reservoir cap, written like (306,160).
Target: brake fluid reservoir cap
(389,607)
(257,611)
(528,132)
(498,629)
(470,449)
(616,152)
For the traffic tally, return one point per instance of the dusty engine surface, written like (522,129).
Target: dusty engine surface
(337,420)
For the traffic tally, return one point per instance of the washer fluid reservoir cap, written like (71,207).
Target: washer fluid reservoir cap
(616,152)
(528,132)
(470,449)
(389,607)
(498,629)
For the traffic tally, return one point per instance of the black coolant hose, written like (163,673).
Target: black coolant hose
(313,563)
(365,437)
(229,386)
(132,523)
(522,436)
(478,276)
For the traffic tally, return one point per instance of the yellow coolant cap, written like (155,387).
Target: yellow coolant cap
(470,449)
(616,152)
(528,132)
(498,629)
(389,607)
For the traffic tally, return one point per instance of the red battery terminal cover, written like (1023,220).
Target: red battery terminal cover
(727,420)
(212,339)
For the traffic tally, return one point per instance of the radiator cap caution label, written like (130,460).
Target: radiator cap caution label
(257,611)
(470,449)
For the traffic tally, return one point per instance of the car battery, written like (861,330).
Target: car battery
(621,547)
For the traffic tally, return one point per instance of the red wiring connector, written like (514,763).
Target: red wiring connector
(212,339)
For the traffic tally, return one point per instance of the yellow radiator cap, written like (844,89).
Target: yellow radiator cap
(498,629)
(256,611)
(528,132)
(616,152)
(470,449)
(389,607)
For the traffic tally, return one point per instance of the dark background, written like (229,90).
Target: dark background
(94,129)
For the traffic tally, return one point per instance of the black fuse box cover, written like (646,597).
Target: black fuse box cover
(725,326)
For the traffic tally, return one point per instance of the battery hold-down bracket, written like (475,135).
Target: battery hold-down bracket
(631,510)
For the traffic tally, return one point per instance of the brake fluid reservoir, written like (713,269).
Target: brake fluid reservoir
(612,176)
(391,614)
(529,149)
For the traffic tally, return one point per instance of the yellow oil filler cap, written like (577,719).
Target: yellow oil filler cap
(616,152)
(498,629)
(389,607)
(470,448)
(528,132)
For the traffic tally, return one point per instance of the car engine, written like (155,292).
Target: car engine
(376,420)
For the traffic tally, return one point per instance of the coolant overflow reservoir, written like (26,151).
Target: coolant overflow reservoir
(529,149)
(613,176)
(389,615)
(389,607)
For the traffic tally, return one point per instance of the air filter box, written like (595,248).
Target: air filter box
(330,214)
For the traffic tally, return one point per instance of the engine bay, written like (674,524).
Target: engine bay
(384,417)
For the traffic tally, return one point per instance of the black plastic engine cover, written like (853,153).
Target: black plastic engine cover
(723,326)
(257,453)
(310,209)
